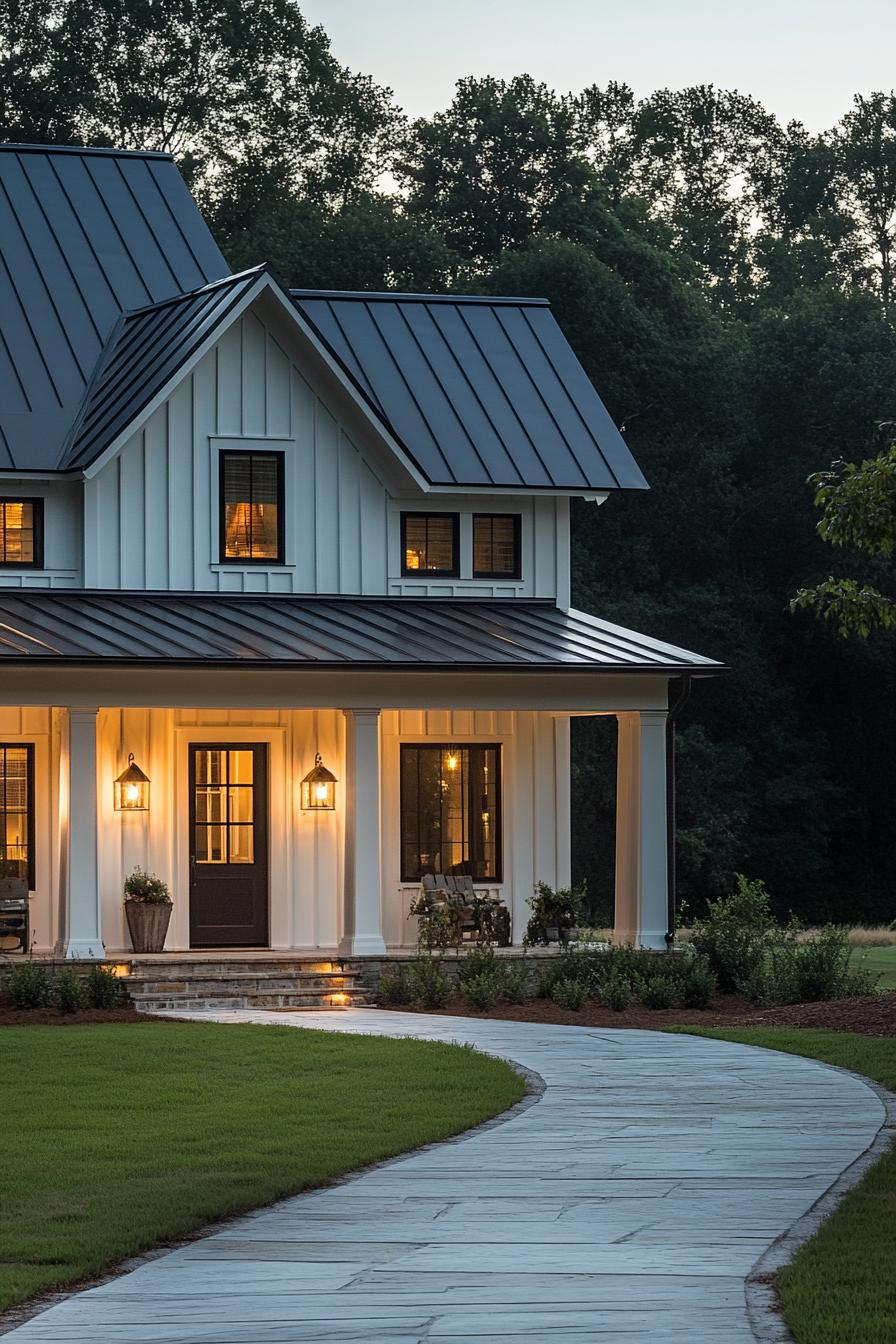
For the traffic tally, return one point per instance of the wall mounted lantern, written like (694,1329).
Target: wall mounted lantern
(319,789)
(132,789)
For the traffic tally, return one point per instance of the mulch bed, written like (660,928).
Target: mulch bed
(51,1017)
(871,1016)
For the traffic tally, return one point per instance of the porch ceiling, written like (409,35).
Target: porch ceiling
(52,627)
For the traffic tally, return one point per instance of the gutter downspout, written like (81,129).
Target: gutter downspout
(675,708)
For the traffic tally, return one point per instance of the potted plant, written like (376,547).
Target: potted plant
(555,914)
(147,905)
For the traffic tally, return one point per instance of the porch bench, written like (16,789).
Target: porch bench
(469,907)
(15,922)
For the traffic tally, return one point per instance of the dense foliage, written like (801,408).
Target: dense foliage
(728,283)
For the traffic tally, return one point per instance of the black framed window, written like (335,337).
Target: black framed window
(17,807)
(251,508)
(430,544)
(22,533)
(496,546)
(451,810)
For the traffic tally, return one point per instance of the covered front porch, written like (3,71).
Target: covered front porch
(440,765)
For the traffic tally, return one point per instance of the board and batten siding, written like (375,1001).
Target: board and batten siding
(306,849)
(151,513)
(62,533)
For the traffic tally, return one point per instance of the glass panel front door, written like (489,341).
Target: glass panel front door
(228,860)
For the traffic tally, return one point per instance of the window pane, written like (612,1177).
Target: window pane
(240,767)
(495,544)
(450,811)
(429,542)
(17,532)
(251,499)
(211,844)
(241,806)
(16,808)
(242,844)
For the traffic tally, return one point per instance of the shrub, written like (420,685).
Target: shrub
(516,984)
(658,992)
(483,990)
(438,930)
(736,933)
(68,992)
(104,990)
(810,971)
(480,961)
(560,909)
(617,992)
(29,986)
(146,887)
(430,983)
(699,983)
(570,994)
(393,987)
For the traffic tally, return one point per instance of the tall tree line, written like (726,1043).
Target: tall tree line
(727,281)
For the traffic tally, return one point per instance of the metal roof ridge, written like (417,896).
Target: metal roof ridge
(194,293)
(16,147)
(386,296)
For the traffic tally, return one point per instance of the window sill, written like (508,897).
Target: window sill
(253,567)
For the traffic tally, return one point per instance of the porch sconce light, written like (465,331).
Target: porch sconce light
(319,789)
(132,789)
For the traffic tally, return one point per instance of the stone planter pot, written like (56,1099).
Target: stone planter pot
(147,924)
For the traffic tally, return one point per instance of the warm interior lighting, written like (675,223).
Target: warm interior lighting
(451,762)
(132,789)
(319,788)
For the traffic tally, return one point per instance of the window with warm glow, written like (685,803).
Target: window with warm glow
(451,811)
(252,507)
(224,806)
(17,808)
(429,544)
(496,546)
(21,532)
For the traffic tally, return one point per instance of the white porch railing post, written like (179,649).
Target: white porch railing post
(362,910)
(641,859)
(81,893)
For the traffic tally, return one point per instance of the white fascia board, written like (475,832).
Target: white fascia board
(263,284)
(337,371)
(184,371)
(523,491)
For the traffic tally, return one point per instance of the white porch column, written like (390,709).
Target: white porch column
(641,859)
(362,909)
(81,876)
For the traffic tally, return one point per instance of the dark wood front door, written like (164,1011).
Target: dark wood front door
(228,845)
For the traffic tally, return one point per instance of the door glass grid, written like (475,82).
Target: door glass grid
(224,805)
(15,806)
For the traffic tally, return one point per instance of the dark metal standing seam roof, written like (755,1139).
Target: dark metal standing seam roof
(480,391)
(144,351)
(255,630)
(86,235)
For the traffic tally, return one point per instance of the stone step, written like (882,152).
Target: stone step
(308,999)
(244,985)
(187,970)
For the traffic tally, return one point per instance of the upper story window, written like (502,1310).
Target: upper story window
(430,544)
(251,508)
(22,533)
(496,546)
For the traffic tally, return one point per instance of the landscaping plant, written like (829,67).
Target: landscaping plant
(554,913)
(569,994)
(68,992)
(430,983)
(736,933)
(699,983)
(516,985)
(484,990)
(104,989)
(394,987)
(29,986)
(617,992)
(657,992)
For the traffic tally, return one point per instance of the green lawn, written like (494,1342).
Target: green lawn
(882,960)
(119,1138)
(841,1287)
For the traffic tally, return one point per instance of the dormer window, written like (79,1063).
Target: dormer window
(252,508)
(430,544)
(21,533)
(496,546)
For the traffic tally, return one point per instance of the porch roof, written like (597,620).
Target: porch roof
(105,628)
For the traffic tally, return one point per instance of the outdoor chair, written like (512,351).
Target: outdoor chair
(15,923)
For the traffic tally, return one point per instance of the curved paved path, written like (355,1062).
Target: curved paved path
(628,1204)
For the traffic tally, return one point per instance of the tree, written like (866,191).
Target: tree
(32,105)
(866,145)
(858,509)
(225,85)
(496,167)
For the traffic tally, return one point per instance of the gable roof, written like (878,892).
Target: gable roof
(87,234)
(480,391)
(144,351)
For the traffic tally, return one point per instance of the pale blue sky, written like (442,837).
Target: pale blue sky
(801,58)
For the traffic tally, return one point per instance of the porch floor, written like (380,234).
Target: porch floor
(630,1202)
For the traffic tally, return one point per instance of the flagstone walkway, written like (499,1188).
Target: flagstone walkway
(627,1204)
